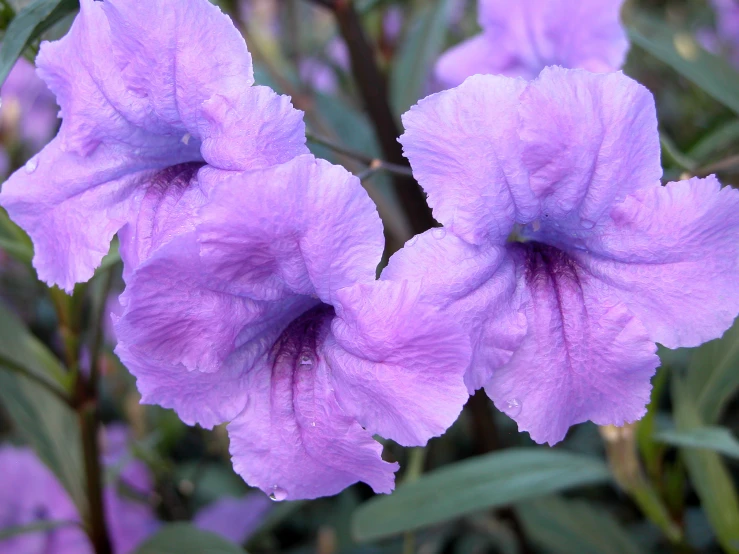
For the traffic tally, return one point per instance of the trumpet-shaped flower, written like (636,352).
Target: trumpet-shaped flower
(267,314)
(562,253)
(520,38)
(150,93)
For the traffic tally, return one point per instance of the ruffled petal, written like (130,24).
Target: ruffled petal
(135,101)
(397,364)
(479,55)
(72,206)
(589,141)
(294,441)
(569,33)
(671,255)
(585,357)
(312,231)
(465,151)
(474,286)
(234,519)
(178,337)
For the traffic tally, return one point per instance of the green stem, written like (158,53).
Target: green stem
(35,527)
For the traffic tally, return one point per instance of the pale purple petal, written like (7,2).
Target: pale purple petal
(589,140)
(464,148)
(569,33)
(30,493)
(294,441)
(129,521)
(473,285)
(397,363)
(480,55)
(671,255)
(312,231)
(183,364)
(585,357)
(235,519)
(135,101)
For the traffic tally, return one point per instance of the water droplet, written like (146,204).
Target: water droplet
(306,360)
(587,224)
(32,165)
(438,233)
(186,139)
(411,241)
(512,407)
(278,494)
(313,424)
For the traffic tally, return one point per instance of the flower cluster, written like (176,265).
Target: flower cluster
(520,38)
(250,266)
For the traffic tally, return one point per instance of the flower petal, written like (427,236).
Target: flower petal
(480,55)
(585,357)
(179,338)
(396,363)
(589,141)
(71,206)
(473,285)
(312,231)
(671,255)
(294,441)
(465,151)
(235,519)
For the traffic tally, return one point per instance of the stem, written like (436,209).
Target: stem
(97,531)
(373,88)
(374,164)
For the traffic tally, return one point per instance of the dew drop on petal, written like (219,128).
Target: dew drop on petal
(438,233)
(411,241)
(587,224)
(32,165)
(186,139)
(512,407)
(313,424)
(278,494)
(306,360)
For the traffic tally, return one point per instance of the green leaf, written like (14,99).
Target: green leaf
(718,439)
(488,481)
(50,427)
(422,44)
(28,25)
(708,474)
(724,136)
(21,352)
(681,51)
(713,374)
(183,538)
(565,526)
(10,532)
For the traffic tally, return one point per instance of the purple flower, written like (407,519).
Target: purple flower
(520,38)
(561,252)
(150,93)
(268,315)
(235,519)
(727,30)
(28,110)
(29,493)
(43,498)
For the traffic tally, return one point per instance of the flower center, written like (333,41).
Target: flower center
(297,347)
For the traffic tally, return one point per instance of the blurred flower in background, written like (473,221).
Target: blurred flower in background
(520,38)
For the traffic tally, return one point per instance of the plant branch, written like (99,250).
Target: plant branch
(373,88)
(374,164)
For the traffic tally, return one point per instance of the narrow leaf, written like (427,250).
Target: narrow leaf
(565,526)
(713,374)
(183,538)
(681,51)
(35,527)
(30,22)
(51,429)
(421,46)
(488,481)
(718,439)
(708,474)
